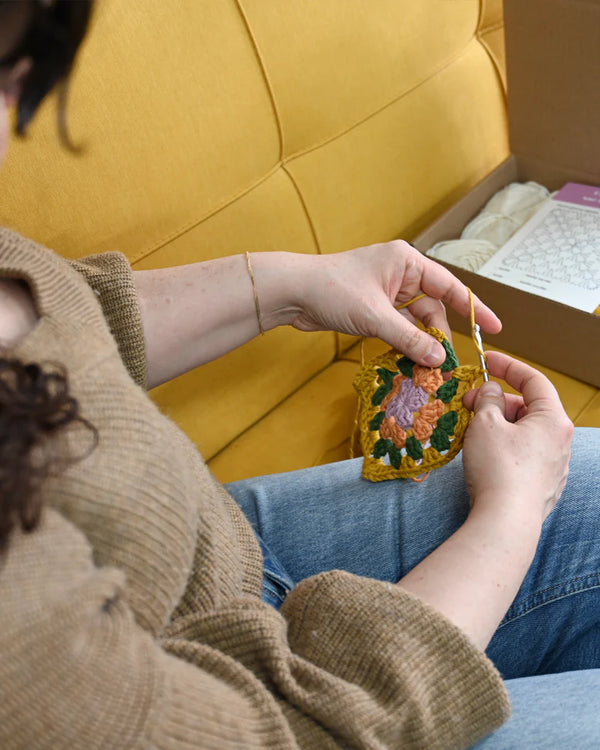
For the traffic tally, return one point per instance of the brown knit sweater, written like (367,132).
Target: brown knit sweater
(131,618)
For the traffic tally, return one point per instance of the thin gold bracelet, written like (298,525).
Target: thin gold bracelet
(256,304)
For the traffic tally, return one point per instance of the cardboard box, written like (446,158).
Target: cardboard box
(553,73)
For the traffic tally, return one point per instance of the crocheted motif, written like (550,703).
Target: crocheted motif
(411,419)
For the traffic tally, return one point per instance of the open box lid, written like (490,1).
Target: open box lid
(553,73)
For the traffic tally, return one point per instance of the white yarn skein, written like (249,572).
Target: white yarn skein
(469,254)
(503,214)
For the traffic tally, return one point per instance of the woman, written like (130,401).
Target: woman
(143,607)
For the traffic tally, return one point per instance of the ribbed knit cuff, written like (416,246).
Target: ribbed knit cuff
(227,709)
(111,278)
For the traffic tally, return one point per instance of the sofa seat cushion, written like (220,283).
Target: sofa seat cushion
(217,401)
(313,426)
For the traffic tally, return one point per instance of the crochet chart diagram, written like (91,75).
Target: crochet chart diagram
(556,254)
(564,247)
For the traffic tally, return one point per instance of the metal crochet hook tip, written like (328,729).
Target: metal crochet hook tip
(482,359)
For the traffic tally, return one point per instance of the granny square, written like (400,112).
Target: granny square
(411,418)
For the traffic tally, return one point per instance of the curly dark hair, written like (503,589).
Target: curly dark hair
(35,403)
(35,406)
(52,37)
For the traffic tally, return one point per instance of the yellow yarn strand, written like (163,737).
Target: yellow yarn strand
(410,302)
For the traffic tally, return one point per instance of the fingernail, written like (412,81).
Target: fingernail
(435,356)
(491,388)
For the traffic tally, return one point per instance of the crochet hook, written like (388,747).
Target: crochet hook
(482,359)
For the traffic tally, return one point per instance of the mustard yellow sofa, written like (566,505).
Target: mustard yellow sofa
(214,127)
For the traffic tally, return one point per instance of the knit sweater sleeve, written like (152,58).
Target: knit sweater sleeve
(365,663)
(357,664)
(408,663)
(111,278)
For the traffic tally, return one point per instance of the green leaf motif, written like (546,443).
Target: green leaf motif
(447,422)
(375,423)
(451,361)
(405,365)
(439,440)
(396,456)
(387,376)
(414,448)
(379,395)
(382,447)
(447,391)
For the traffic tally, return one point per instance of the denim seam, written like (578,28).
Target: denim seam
(273,592)
(587,583)
(272,587)
(283,581)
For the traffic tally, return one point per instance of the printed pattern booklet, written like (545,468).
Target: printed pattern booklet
(556,253)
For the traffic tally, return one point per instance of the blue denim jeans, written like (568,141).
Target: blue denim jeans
(547,647)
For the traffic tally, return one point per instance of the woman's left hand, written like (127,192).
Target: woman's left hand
(358,291)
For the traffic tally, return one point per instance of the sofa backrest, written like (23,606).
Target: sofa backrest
(212,128)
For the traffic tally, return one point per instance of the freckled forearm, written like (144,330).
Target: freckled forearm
(196,313)
(192,314)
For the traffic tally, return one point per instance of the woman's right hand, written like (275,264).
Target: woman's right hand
(516,456)
(517,448)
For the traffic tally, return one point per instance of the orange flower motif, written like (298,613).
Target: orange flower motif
(391,431)
(422,430)
(432,411)
(397,384)
(427,378)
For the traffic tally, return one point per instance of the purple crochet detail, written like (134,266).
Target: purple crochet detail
(410,399)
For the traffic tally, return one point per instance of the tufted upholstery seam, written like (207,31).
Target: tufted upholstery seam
(496,64)
(269,85)
(212,212)
(265,75)
(486,29)
(304,208)
(143,254)
(481,26)
(270,411)
(480,33)
(330,139)
(282,164)
(586,406)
